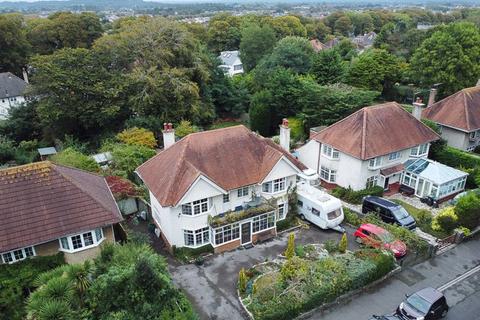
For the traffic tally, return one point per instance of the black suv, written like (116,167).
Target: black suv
(426,304)
(389,211)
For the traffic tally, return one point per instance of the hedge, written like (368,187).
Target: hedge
(355,197)
(16,283)
(456,158)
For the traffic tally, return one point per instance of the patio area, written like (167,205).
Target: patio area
(415,201)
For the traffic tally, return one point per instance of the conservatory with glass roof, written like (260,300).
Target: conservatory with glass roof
(431,178)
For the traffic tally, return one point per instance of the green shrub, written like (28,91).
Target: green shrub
(351,217)
(468,210)
(356,197)
(242,280)
(290,251)
(267,286)
(294,268)
(17,280)
(455,158)
(342,246)
(300,251)
(466,232)
(446,220)
(72,158)
(297,129)
(331,246)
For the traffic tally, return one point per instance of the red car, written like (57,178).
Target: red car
(376,237)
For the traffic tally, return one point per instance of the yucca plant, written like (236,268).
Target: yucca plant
(55,310)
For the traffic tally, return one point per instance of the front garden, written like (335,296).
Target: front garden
(307,277)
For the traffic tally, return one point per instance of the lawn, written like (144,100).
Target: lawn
(423,218)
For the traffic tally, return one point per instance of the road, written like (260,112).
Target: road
(449,272)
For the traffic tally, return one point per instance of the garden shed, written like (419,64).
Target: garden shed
(431,178)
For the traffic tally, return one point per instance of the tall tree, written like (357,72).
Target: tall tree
(256,42)
(451,56)
(317,30)
(328,67)
(375,69)
(14,47)
(294,53)
(288,26)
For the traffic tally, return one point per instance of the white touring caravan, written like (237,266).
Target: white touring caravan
(318,207)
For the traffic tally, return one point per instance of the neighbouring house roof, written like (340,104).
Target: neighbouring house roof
(228,58)
(48,151)
(230,157)
(332,43)
(42,201)
(375,131)
(391,170)
(365,40)
(433,171)
(461,110)
(317,45)
(11,85)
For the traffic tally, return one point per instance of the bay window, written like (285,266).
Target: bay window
(81,241)
(328,174)
(18,255)
(194,238)
(196,207)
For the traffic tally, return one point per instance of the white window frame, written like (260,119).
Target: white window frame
(69,240)
(196,207)
(12,255)
(330,152)
(420,150)
(226,234)
(263,222)
(243,192)
(328,174)
(375,162)
(226,198)
(394,156)
(372,181)
(282,210)
(472,135)
(200,237)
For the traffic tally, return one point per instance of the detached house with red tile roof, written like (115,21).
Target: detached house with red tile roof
(458,116)
(377,146)
(46,208)
(226,187)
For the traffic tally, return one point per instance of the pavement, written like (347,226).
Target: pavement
(212,286)
(463,297)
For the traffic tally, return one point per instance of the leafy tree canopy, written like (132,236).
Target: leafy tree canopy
(138,136)
(72,158)
(255,43)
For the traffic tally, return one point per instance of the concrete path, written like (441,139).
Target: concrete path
(462,297)
(212,287)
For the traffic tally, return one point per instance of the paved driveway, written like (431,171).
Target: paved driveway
(212,287)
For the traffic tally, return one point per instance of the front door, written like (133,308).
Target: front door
(419,191)
(246,232)
(387,180)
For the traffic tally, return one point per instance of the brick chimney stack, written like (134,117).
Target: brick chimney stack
(168,135)
(285,135)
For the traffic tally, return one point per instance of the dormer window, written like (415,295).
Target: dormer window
(330,152)
(195,208)
(276,185)
(394,155)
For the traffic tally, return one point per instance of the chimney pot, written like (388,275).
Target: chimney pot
(285,122)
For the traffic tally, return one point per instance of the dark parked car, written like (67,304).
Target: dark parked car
(389,212)
(426,304)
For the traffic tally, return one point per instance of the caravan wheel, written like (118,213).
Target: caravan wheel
(302,217)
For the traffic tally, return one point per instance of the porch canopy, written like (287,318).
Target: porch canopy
(431,178)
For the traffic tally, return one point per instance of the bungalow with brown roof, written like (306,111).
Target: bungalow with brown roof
(458,117)
(46,208)
(225,187)
(372,147)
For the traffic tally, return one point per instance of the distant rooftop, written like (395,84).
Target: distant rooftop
(229,57)
(11,85)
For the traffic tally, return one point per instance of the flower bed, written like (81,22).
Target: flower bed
(285,288)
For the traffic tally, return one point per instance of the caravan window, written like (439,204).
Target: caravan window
(334,214)
(300,203)
(316,212)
